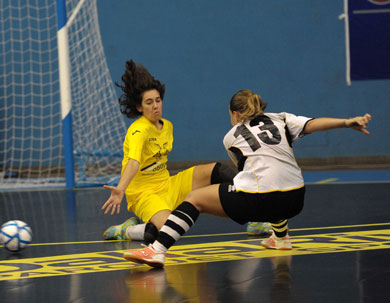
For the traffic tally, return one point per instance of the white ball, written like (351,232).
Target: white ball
(15,235)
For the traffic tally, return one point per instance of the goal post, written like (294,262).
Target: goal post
(65,92)
(60,123)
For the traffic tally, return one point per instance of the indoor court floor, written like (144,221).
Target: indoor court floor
(341,252)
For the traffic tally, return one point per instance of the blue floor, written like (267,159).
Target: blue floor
(342,176)
(341,243)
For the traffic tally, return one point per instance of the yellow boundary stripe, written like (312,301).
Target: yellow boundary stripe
(296,229)
(215,235)
(325,181)
(194,253)
(341,226)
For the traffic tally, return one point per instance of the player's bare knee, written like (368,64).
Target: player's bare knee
(202,175)
(191,198)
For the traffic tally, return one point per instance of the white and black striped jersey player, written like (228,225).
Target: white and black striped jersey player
(261,149)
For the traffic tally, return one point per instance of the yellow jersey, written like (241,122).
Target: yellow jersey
(150,147)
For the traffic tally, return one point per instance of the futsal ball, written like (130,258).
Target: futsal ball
(15,235)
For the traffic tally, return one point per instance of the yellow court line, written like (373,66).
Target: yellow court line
(296,229)
(213,235)
(92,262)
(338,227)
(326,181)
(70,243)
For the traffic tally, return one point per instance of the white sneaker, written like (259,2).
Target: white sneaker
(276,243)
(148,255)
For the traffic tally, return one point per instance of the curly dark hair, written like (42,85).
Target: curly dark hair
(135,81)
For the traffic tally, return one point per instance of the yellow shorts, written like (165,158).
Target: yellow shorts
(169,196)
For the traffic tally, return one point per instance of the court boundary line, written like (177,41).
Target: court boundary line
(216,235)
(209,252)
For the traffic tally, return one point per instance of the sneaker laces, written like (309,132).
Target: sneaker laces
(150,246)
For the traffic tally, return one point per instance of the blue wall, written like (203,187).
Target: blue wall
(291,52)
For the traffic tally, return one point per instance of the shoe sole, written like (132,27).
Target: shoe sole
(104,234)
(134,259)
(270,247)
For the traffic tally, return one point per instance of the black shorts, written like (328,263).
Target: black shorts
(261,207)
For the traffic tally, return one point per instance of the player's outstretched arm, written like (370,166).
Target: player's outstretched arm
(117,193)
(321,124)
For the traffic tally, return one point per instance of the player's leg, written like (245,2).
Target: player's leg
(205,199)
(147,232)
(131,229)
(153,209)
(213,173)
(295,199)
(222,173)
(156,208)
(202,175)
(193,178)
(118,232)
(159,218)
(178,187)
(150,208)
(279,238)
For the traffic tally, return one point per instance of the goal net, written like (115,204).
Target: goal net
(31,131)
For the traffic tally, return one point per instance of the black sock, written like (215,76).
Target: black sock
(280,229)
(151,233)
(178,223)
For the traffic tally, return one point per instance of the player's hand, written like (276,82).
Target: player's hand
(359,123)
(114,201)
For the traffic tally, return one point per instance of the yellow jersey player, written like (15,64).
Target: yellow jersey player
(150,191)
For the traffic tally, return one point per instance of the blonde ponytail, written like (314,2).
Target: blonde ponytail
(248,105)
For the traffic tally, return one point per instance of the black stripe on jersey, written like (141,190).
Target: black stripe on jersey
(146,167)
(240,157)
(288,134)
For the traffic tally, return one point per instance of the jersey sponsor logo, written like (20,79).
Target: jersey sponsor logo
(152,139)
(163,151)
(137,131)
(231,188)
(154,167)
